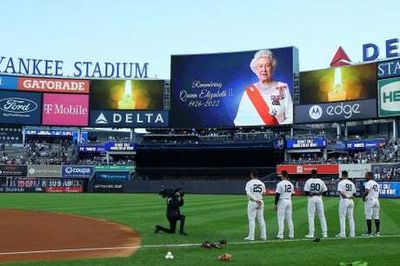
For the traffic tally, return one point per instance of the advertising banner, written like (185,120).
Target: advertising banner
(333,112)
(20,108)
(8,82)
(389,189)
(389,97)
(53,85)
(123,176)
(355,171)
(319,142)
(386,171)
(12,170)
(115,168)
(10,134)
(127,94)
(107,186)
(147,119)
(91,148)
(323,169)
(44,171)
(252,88)
(390,68)
(77,171)
(65,110)
(347,83)
(119,146)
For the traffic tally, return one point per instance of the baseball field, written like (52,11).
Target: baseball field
(213,217)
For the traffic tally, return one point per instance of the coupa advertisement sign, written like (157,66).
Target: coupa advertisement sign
(65,110)
(20,108)
(77,171)
(333,112)
(389,97)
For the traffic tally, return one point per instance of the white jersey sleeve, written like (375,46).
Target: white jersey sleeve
(279,188)
(323,185)
(307,185)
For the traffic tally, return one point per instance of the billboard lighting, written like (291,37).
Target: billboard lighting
(127,101)
(338,92)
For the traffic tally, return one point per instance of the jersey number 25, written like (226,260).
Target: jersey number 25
(257,188)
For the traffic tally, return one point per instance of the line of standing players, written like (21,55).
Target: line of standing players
(314,188)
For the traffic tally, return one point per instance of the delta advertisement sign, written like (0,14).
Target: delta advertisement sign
(127,103)
(65,110)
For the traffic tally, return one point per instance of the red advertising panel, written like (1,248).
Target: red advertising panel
(65,110)
(323,169)
(63,189)
(53,85)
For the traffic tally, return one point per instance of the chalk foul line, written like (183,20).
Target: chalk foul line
(65,250)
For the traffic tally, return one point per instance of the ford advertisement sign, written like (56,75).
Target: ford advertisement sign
(78,171)
(333,112)
(20,108)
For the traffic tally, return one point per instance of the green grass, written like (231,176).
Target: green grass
(209,217)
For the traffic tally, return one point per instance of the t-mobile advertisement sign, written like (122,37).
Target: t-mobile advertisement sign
(65,110)
(332,112)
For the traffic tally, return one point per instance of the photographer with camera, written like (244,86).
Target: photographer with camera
(174,202)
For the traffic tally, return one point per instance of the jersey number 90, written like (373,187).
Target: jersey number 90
(315,187)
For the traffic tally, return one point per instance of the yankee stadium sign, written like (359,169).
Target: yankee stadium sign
(80,69)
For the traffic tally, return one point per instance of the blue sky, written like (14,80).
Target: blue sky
(152,30)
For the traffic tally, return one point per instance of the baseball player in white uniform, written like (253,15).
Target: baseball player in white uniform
(371,200)
(255,189)
(314,188)
(346,190)
(283,204)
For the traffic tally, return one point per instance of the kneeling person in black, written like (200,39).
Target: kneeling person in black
(174,202)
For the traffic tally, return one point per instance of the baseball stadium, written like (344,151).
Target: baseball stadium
(238,157)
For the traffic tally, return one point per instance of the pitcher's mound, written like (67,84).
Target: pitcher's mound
(36,235)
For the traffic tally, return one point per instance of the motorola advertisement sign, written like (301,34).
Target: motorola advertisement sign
(20,108)
(333,112)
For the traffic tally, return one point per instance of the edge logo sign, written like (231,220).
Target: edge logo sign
(332,112)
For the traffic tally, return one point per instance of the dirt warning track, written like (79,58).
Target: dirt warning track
(36,235)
